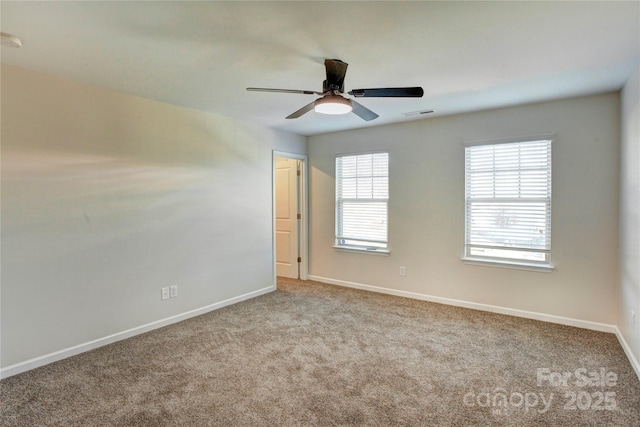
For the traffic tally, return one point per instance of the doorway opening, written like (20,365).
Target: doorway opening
(289,216)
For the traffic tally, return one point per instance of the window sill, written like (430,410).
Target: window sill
(375,251)
(544,268)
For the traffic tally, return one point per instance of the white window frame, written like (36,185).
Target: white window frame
(360,243)
(507,254)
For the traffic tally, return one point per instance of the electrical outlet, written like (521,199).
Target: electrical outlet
(174,291)
(165,293)
(403,271)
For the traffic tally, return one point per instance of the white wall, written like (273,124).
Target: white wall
(108,197)
(630,216)
(426,211)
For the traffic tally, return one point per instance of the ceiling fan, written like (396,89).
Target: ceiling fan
(332,100)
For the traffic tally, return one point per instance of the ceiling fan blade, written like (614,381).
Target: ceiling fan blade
(336,70)
(363,112)
(265,89)
(389,92)
(301,111)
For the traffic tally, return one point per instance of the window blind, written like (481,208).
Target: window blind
(362,195)
(508,201)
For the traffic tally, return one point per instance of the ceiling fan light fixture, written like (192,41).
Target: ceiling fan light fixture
(333,104)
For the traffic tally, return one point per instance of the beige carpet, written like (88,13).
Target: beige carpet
(314,354)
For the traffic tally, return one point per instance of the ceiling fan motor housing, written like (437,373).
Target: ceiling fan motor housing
(327,87)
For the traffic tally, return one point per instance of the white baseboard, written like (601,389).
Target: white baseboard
(627,350)
(81,348)
(72,351)
(585,324)
(595,326)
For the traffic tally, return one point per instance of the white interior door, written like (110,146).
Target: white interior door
(287,217)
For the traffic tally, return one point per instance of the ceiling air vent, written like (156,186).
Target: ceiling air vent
(417,113)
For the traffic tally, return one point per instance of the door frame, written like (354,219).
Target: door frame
(303,232)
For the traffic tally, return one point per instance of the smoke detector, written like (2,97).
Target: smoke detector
(9,40)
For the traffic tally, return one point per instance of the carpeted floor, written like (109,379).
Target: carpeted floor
(313,354)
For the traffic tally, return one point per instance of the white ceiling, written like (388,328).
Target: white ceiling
(466,55)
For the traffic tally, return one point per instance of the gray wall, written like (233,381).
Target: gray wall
(630,216)
(426,209)
(108,197)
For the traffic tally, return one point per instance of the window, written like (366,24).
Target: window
(508,202)
(362,196)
